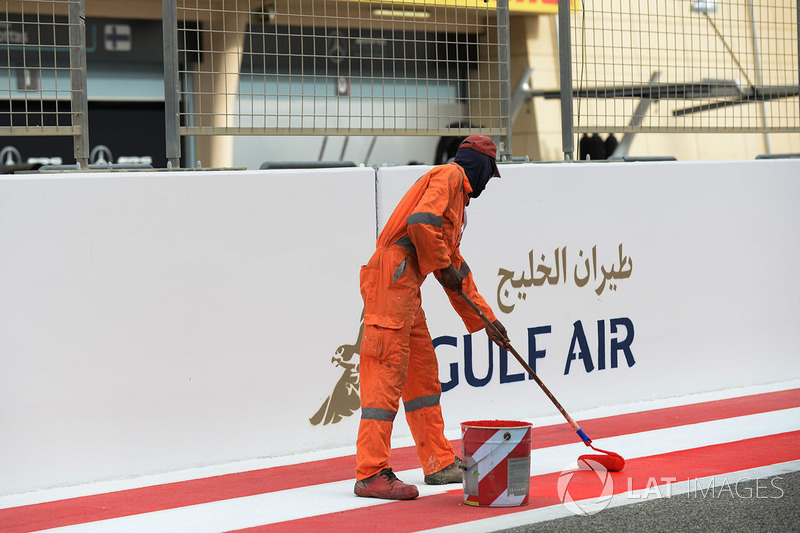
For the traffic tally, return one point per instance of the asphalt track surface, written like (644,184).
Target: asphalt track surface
(725,464)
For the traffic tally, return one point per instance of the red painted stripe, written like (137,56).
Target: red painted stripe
(643,473)
(194,492)
(669,417)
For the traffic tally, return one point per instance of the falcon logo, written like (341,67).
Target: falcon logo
(344,400)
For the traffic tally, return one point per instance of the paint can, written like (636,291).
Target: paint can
(497,462)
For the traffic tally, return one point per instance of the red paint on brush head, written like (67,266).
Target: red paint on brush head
(611,462)
(496,424)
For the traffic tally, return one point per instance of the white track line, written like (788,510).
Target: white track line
(671,439)
(273,507)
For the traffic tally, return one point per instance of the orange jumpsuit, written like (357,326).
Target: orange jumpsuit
(397,357)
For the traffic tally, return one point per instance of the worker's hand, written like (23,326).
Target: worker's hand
(450,278)
(502,339)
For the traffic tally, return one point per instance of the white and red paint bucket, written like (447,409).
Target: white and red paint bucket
(497,462)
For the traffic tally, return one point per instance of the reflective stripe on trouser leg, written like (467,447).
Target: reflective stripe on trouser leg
(383,364)
(421,401)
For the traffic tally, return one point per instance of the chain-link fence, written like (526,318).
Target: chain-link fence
(415,68)
(685,66)
(43,50)
(317,67)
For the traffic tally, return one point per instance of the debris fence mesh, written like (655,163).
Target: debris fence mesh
(685,66)
(43,52)
(322,67)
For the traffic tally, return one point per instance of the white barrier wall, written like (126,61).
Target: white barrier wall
(157,321)
(622,282)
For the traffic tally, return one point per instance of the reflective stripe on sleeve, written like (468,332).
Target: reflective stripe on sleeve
(405,242)
(424,218)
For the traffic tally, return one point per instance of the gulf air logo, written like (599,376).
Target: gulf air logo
(610,348)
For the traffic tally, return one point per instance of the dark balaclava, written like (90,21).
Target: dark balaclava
(479,168)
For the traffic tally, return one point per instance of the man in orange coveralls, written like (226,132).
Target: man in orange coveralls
(397,358)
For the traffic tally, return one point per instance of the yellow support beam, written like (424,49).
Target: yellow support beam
(514,6)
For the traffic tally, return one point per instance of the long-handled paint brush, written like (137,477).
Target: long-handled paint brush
(611,461)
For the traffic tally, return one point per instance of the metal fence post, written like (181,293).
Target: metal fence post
(504,60)
(78,95)
(565,68)
(171,82)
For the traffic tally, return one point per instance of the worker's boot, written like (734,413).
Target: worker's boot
(385,485)
(449,474)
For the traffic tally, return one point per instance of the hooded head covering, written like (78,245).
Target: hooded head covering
(477,156)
